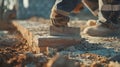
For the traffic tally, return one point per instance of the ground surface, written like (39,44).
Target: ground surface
(92,52)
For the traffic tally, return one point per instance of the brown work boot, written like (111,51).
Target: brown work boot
(59,20)
(101,29)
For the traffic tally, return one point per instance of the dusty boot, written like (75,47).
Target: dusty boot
(108,19)
(102,29)
(59,20)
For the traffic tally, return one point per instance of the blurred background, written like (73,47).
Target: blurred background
(36,8)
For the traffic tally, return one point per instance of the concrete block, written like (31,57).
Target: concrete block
(64,31)
(58,41)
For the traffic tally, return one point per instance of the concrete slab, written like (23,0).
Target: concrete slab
(64,31)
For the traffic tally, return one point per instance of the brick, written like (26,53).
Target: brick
(64,31)
(58,41)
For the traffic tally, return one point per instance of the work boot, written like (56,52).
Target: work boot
(108,19)
(102,29)
(59,20)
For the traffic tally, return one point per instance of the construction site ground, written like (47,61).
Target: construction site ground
(23,46)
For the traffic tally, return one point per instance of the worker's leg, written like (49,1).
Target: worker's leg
(108,22)
(61,10)
(109,11)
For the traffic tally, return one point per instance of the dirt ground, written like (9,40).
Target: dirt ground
(15,52)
